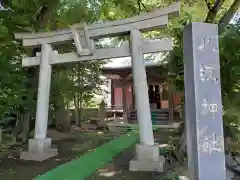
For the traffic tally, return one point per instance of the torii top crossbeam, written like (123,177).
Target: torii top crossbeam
(84,35)
(143,22)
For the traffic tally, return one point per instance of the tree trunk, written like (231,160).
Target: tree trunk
(62,125)
(181,150)
(81,111)
(228,15)
(212,13)
(1,138)
(79,95)
(68,114)
(77,115)
(22,127)
(25,124)
(18,125)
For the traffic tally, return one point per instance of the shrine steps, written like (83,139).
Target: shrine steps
(159,116)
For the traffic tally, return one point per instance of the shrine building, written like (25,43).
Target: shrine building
(163,101)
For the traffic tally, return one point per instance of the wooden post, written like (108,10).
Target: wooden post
(1,135)
(124,99)
(133,98)
(170,100)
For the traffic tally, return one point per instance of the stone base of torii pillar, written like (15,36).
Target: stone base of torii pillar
(39,150)
(147,159)
(147,152)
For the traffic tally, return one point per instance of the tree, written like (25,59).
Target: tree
(12,84)
(214,6)
(87,81)
(230,72)
(84,77)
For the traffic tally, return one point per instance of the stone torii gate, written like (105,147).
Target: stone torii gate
(147,152)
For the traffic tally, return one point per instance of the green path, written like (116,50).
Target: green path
(86,165)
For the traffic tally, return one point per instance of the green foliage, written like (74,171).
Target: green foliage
(230,60)
(231,116)
(176,66)
(18,86)
(12,88)
(229,41)
(171,176)
(86,79)
(229,56)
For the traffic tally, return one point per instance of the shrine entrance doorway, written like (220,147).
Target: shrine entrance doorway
(158,96)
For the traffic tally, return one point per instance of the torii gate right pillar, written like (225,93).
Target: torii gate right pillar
(147,153)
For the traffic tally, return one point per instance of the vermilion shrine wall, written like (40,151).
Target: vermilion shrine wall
(117,97)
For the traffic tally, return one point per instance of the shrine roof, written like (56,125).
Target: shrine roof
(125,63)
(116,68)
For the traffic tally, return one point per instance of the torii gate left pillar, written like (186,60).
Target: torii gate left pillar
(40,148)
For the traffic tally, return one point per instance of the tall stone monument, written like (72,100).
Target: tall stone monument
(203,102)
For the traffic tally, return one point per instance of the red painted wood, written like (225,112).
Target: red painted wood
(118,97)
